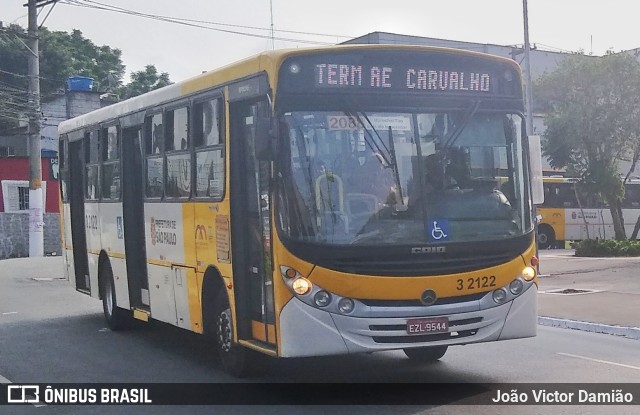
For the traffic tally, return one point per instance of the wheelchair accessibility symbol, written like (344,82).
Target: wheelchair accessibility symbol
(439,229)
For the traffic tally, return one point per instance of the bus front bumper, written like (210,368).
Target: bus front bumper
(309,331)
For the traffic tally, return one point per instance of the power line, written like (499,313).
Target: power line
(194,23)
(26,76)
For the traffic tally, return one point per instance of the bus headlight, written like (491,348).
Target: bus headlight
(500,295)
(516,286)
(301,286)
(346,305)
(322,298)
(528,273)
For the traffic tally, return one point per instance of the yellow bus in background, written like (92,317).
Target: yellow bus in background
(569,213)
(311,202)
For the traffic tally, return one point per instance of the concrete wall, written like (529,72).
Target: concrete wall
(14,235)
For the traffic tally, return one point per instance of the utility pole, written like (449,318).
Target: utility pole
(273,39)
(36,215)
(527,65)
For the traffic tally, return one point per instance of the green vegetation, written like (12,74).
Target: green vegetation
(62,55)
(607,248)
(593,122)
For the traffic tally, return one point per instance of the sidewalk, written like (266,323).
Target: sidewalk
(593,294)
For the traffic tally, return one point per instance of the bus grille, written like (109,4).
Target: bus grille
(425,338)
(417,303)
(414,268)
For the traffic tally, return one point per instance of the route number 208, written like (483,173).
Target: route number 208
(476,283)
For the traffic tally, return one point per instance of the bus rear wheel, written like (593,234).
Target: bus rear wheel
(426,354)
(117,318)
(546,237)
(235,359)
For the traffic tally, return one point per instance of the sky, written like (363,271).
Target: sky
(184,51)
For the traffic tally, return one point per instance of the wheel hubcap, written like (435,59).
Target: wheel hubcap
(225,333)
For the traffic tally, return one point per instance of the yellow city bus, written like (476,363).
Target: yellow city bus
(570,213)
(311,202)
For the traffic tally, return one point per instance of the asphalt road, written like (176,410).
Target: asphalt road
(48,333)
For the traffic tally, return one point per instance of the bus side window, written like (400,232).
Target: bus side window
(178,180)
(111,164)
(92,169)
(176,128)
(207,123)
(208,139)
(154,149)
(153,134)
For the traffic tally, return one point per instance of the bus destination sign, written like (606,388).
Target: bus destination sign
(401,71)
(340,75)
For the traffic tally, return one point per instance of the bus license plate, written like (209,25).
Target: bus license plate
(428,325)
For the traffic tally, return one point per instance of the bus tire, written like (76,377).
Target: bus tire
(117,318)
(546,236)
(426,354)
(234,358)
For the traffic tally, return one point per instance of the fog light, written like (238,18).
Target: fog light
(500,295)
(516,286)
(322,298)
(301,286)
(528,273)
(346,305)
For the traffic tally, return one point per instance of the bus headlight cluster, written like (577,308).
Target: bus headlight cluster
(301,285)
(528,273)
(516,287)
(346,305)
(296,282)
(500,295)
(322,298)
(315,296)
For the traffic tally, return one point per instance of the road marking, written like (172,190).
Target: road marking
(7,381)
(9,313)
(599,361)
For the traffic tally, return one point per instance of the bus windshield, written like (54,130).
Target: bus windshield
(378,178)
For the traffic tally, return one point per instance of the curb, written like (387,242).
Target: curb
(629,332)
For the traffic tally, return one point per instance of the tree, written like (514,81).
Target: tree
(67,54)
(144,81)
(593,122)
(62,55)
(13,80)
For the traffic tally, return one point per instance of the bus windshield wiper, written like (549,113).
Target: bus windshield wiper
(369,139)
(460,127)
(389,153)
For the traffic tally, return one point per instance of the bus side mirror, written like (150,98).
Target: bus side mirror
(265,139)
(535,161)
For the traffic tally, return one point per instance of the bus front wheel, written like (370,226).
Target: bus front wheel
(117,318)
(546,236)
(234,358)
(426,354)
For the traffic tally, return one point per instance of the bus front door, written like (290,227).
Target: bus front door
(76,206)
(250,227)
(133,217)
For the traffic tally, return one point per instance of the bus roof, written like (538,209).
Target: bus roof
(268,62)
